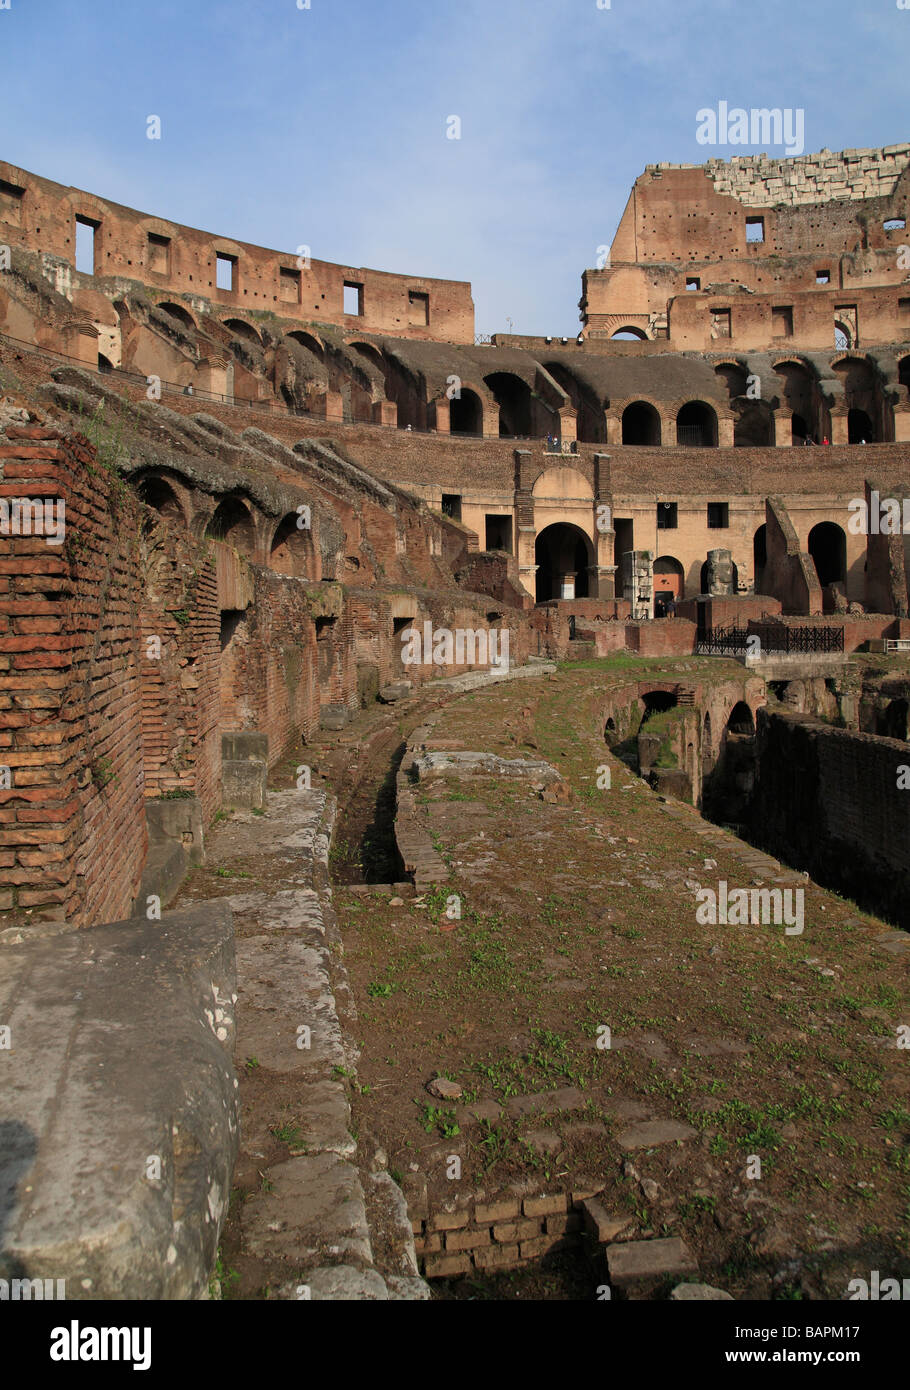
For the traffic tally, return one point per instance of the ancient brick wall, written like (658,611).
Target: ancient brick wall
(73,837)
(828,800)
(166,256)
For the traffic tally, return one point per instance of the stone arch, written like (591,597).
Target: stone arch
(641,424)
(827,545)
(232,522)
(370,351)
(799,389)
(513,396)
(740,721)
(669,583)
(306,340)
(158,494)
(560,550)
(243,330)
(591,422)
(466,412)
(292,551)
(178,312)
(696,425)
(863,398)
(629,333)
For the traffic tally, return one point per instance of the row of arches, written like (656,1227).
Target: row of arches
(563,549)
(290,547)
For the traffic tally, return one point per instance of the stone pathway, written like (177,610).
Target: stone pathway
(306,1231)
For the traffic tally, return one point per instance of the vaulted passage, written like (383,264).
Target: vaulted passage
(828,548)
(563,554)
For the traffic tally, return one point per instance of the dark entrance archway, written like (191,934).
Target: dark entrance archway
(860,429)
(828,548)
(669,584)
(513,396)
(466,413)
(759,556)
(893,723)
(560,550)
(641,424)
(696,425)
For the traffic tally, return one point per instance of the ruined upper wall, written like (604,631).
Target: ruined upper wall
(759,181)
(41,215)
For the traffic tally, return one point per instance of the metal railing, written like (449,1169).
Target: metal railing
(779,639)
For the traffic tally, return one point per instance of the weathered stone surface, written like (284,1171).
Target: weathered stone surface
(443,1089)
(650,1133)
(243,782)
(639,1260)
(398,690)
(315,1209)
(121,1050)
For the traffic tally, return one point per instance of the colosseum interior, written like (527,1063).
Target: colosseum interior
(390,716)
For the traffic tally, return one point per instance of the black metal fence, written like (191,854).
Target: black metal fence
(771,638)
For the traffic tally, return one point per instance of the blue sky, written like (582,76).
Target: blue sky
(327,126)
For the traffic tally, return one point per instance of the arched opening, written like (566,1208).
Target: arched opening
(629,334)
(563,555)
(178,312)
(513,396)
(843,338)
(591,424)
(656,701)
(759,556)
(245,331)
(158,494)
(641,424)
(610,731)
(798,399)
(903,373)
(104,363)
(292,548)
(741,722)
(828,548)
(305,340)
(232,522)
(863,399)
(466,413)
(669,583)
(753,427)
(860,429)
(893,723)
(696,426)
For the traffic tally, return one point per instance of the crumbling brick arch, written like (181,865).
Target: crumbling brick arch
(158,492)
(243,330)
(869,414)
(292,551)
(307,340)
(233,522)
(179,312)
(802,401)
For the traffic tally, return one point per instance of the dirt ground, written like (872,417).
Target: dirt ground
(774,1055)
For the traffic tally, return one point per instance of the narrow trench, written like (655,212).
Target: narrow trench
(364,845)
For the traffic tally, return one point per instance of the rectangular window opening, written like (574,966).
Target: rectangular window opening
(499,533)
(418,309)
(159,254)
(225,272)
(288,285)
(11,196)
(895,224)
(903,308)
(85,245)
(451,505)
(718,516)
(755,229)
(353,298)
(720,323)
(823,277)
(693,283)
(666,516)
(782,321)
